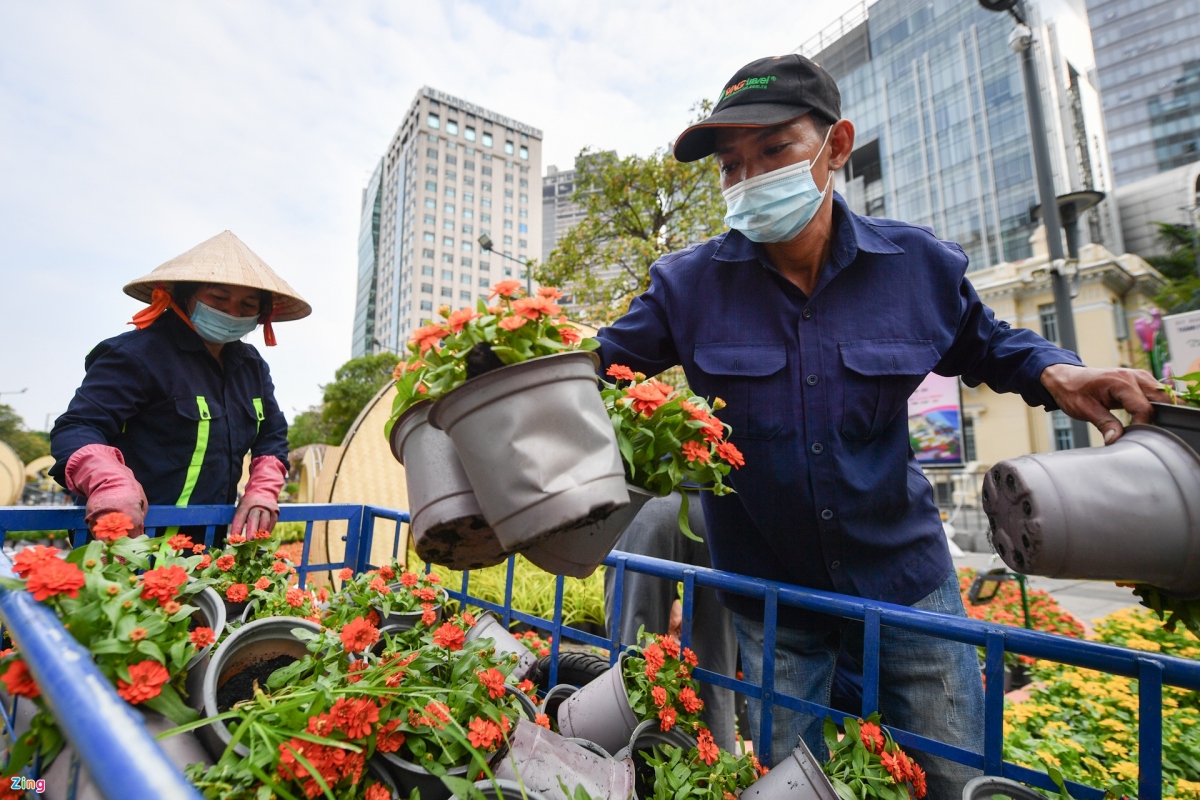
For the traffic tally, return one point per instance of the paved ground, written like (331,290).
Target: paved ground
(1087,600)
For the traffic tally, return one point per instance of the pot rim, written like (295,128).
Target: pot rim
(499,375)
(215,601)
(396,441)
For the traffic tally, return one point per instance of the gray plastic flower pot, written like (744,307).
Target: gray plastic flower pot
(211,615)
(1128,512)
(488,627)
(577,553)
(507,790)
(408,776)
(800,777)
(181,749)
(262,640)
(1183,421)
(536,442)
(527,707)
(554,699)
(600,712)
(540,758)
(447,524)
(648,734)
(988,787)
(407,620)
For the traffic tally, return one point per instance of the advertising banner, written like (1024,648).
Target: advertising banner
(935,422)
(1183,340)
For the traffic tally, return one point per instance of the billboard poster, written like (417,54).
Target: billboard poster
(935,422)
(1183,340)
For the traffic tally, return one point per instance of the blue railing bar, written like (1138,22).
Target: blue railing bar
(689,604)
(508,589)
(1079,791)
(931,746)
(210,533)
(993,702)
(767,714)
(1149,729)
(1062,649)
(614,647)
(733,684)
(123,758)
(557,630)
(871,643)
(305,552)
(388,513)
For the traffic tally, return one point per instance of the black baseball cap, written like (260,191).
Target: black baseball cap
(763,93)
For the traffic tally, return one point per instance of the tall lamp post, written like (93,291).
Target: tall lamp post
(1021,42)
(487,244)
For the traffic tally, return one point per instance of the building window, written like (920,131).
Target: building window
(524,213)
(508,272)
(468,197)
(448,208)
(468,229)
(448,258)
(487,139)
(508,224)
(427,288)
(483,282)
(447,275)
(427,253)
(469,134)
(464,296)
(452,160)
(469,164)
(524,183)
(468,213)
(451,175)
(430,186)
(524,198)
(508,240)
(486,202)
(1061,424)
(447,291)
(508,177)
(1049,320)
(430,202)
(487,187)
(508,148)
(427,305)
(431,152)
(452,127)
(508,207)
(430,219)
(508,193)
(427,269)
(466,262)
(524,152)
(431,169)
(468,181)
(969,453)
(522,243)
(448,224)
(466,246)
(428,236)
(447,241)
(449,191)
(433,121)
(486,170)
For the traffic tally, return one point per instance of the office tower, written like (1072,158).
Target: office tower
(1148,62)
(453,171)
(936,97)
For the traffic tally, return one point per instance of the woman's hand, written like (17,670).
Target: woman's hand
(259,506)
(98,473)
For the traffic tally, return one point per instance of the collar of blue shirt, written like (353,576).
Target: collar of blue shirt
(851,234)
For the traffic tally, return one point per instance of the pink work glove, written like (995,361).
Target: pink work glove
(259,507)
(98,472)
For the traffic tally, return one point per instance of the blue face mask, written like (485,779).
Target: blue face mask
(776,206)
(218,327)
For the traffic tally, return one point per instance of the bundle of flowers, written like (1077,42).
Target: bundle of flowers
(1083,723)
(269,599)
(659,683)
(1006,608)
(126,601)
(534,641)
(705,772)
(515,329)
(381,592)
(867,762)
(246,564)
(668,437)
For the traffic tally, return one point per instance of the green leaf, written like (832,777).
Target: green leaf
(170,705)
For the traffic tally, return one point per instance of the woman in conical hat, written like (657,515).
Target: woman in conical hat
(167,412)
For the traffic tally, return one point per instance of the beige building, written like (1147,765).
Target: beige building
(453,171)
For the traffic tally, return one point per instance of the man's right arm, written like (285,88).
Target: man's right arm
(641,339)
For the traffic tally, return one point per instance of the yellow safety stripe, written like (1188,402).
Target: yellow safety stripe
(193,473)
(258,415)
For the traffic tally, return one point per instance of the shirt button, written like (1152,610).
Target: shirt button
(806,313)
(818,448)
(812,380)
(835,565)
(827,514)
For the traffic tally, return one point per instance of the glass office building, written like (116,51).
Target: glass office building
(453,171)
(942,139)
(1148,62)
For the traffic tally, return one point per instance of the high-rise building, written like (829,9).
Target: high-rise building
(452,172)
(559,211)
(937,100)
(1148,62)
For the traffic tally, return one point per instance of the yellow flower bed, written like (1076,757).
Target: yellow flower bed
(1085,723)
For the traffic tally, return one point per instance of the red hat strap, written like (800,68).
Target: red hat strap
(268,331)
(160,301)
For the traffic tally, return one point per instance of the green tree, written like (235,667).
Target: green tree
(638,209)
(353,386)
(27,444)
(1181,267)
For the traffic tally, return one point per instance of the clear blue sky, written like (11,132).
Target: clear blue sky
(134,130)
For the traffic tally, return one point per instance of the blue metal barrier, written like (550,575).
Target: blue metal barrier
(92,717)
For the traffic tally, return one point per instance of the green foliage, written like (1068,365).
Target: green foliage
(1084,723)
(658,680)
(680,774)
(868,763)
(638,209)
(27,444)
(308,428)
(354,384)
(1181,267)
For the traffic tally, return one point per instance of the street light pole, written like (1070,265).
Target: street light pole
(1021,42)
(488,245)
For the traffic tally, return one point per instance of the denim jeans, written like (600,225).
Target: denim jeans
(927,686)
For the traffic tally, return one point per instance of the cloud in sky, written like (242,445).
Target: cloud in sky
(135,130)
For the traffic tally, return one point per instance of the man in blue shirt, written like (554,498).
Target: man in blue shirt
(815,325)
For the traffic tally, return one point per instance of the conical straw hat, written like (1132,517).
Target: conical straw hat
(224,259)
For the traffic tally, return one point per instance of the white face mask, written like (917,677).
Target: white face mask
(777,205)
(218,327)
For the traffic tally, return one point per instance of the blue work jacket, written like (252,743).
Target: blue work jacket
(182,422)
(831,496)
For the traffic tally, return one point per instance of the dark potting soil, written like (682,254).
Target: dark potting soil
(241,686)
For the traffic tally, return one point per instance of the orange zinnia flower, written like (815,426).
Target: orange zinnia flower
(146,679)
(493,681)
(54,577)
(872,737)
(358,634)
(729,452)
(648,396)
(666,718)
(459,318)
(620,373)
(225,563)
(690,702)
(549,292)
(27,560)
(162,584)
(427,336)
(534,307)
(449,636)
(694,451)
(202,637)
(659,695)
(180,541)
(570,335)
(707,748)
(511,323)
(484,733)
(237,593)
(112,526)
(505,289)
(19,681)
(543,720)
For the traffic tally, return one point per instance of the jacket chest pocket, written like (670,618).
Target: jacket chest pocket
(752,381)
(879,375)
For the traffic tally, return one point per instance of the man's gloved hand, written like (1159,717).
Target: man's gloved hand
(259,507)
(98,472)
